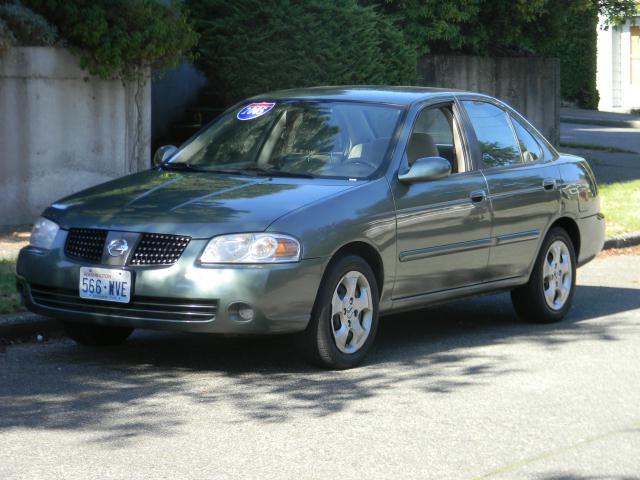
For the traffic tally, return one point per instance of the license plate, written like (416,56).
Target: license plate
(106,284)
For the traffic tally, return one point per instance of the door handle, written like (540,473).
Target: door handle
(549,184)
(478,196)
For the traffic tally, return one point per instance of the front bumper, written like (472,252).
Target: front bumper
(282,296)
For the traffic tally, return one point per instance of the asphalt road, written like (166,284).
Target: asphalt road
(459,391)
(609,167)
(624,138)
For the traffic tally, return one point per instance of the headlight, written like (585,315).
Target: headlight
(43,233)
(252,248)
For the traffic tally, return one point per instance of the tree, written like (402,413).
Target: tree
(484,27)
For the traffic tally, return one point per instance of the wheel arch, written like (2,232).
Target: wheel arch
(370,255)
(570,226)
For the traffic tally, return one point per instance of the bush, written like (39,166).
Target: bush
(117,38)
(255,46)
(6,37)
(22,26)
(576,50)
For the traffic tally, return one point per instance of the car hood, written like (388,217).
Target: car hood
(199,205)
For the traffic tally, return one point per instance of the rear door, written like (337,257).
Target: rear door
(522,183)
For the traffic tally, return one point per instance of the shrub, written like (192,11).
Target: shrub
(6,37)
(21,25)
(254,46)
(576,50)
(116,38)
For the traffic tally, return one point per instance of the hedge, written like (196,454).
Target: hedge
(576,50)
(255,46)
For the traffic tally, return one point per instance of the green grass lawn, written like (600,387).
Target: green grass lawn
(621,207)
(9,298)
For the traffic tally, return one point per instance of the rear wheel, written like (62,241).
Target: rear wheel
(96,335)
(344,320)
(547,297)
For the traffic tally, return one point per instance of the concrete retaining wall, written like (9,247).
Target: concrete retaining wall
(62,131)
(531,85)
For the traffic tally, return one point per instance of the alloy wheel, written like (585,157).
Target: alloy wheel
(351,312)
(557,275)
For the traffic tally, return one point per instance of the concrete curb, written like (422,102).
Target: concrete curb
(601,122)
(623,241)
(26,323)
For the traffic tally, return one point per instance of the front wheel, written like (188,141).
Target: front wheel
(93,335)
(344,320)
(547,297)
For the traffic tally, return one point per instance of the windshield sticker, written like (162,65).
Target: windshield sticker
(254,110)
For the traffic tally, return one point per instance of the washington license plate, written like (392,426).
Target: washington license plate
(106,284)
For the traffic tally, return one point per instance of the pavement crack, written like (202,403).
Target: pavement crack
(557,451)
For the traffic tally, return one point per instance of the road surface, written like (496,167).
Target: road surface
(460,391)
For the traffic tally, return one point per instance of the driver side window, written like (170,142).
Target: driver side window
(435,134)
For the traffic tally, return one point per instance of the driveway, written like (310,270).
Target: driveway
(458,391)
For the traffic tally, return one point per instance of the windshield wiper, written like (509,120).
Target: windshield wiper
(180,166)
(272,172)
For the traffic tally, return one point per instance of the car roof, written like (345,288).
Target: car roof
(361,93)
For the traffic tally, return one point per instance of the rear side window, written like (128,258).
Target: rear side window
(494,133)
(531,150)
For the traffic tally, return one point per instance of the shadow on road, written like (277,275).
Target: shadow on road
(121,392)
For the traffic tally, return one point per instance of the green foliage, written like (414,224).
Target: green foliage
(616,12)
(117,38)
(255,46)
(9,298)
(558,28)
(433,25)
(474,26)
(484,27)
(6,37)
(576,49)
(22,26)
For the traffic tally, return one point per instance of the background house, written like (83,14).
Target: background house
(618,76)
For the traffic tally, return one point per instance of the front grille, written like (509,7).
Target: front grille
(85,244)
(159,249)
(150,308)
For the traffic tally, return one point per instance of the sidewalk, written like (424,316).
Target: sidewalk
(594,117)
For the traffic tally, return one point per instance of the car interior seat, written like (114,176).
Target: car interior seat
(421,145)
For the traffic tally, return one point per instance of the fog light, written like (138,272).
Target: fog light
(241,312)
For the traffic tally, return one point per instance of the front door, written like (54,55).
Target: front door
(443,226)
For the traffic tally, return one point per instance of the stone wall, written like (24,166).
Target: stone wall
(62,131)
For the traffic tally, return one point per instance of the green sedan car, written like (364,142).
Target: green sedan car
(315,211)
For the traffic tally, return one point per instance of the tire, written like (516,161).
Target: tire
(340,338)
(547,297)
(93,335)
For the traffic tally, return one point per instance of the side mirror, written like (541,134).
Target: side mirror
(163,154)
(426,168)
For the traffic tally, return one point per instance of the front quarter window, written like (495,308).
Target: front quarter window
(310,138)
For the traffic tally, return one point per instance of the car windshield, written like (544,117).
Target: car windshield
(295,138)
